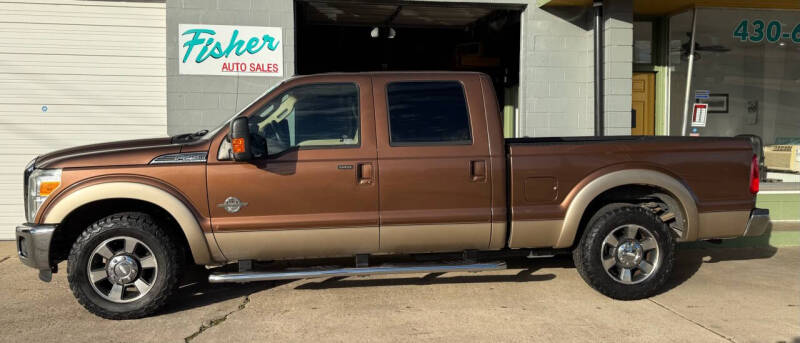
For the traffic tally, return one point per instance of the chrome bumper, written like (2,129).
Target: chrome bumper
(758,222)
(33,248)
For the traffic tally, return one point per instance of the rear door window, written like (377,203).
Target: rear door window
(427,113)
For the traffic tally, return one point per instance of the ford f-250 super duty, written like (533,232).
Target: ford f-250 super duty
(366,164)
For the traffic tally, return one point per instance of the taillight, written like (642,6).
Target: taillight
(754,175)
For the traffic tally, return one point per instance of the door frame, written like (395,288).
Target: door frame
(659,66)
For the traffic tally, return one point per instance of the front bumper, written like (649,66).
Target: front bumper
(758,222)
(33,247)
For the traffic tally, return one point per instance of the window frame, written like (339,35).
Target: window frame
(315,147)
(471,140)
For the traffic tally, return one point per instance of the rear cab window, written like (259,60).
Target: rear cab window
(428,113)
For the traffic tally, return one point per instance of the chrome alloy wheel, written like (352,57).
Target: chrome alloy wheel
(630,254)
(122,269)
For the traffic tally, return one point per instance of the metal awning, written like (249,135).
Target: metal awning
(662,7)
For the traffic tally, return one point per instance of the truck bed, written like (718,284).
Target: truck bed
(545,174)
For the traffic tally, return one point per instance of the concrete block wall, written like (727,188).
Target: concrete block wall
(556,82)
(618,60)
(197,102)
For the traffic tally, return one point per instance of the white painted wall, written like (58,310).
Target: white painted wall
(98,66)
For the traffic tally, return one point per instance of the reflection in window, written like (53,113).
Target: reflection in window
(746,59)
(643,42)
(318,115)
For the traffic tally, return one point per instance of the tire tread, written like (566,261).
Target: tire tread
(599,280)
(138,221)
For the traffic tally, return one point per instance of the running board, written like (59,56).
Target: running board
(251,276)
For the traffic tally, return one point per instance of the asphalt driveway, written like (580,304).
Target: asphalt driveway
(715,295)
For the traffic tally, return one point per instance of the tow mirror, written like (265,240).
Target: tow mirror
(240,139)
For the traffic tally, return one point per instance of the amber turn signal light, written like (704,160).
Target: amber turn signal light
(238,145)
(47,187)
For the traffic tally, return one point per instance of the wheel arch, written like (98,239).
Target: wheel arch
(581,199)
(128,193)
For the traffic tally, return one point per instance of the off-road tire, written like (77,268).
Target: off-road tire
(142,227)
(586,254)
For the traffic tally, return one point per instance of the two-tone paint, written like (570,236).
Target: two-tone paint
(491,194)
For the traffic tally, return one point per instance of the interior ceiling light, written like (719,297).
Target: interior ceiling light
(375,32)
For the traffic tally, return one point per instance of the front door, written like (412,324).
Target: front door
(312,189)
(643,116)
(433,154)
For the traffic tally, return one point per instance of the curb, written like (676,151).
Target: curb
(780,234)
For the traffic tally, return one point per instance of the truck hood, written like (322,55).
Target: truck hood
(121,153)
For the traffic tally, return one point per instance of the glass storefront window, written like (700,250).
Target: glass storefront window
(680,30)
(643,42)
(746,68)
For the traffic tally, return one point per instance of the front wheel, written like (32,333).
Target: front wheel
(123,266)
(626,253)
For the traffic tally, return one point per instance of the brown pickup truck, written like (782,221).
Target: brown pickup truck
(368,164)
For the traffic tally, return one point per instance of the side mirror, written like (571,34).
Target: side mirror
(240,139)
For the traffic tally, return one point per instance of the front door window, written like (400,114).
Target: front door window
(310,116)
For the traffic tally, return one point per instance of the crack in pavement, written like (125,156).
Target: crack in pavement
(729,339)
(216,321)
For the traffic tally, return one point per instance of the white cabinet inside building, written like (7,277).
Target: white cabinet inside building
(74,73)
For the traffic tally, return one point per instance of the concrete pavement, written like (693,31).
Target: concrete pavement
(715,295)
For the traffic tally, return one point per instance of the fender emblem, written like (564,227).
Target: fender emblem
(232,204)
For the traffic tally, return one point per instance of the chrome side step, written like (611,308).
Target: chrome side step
(251,276)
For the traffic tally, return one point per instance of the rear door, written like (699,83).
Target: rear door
(433,158)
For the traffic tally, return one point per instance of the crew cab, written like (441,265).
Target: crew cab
(366,164)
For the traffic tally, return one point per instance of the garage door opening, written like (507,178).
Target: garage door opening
(348,36)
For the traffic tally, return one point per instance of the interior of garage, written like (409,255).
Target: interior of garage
(345,36)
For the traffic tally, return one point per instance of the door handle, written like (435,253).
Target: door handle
(365,174)
(477,170)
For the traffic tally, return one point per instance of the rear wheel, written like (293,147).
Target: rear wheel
(123,266)
(626,253)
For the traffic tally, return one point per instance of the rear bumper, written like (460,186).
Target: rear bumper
(33,247)
(758,222)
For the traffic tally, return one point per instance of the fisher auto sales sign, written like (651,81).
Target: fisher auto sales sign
(228,50)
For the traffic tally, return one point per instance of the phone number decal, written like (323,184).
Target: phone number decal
(758,30)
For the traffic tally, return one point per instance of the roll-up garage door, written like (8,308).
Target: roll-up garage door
(73,73)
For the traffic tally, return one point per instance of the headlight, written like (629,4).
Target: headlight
(41,183)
